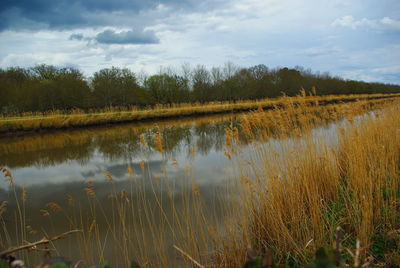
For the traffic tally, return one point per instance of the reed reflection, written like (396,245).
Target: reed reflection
(114,142)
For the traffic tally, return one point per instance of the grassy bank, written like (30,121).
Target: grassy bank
(293,197)
(291,188)
(76,118)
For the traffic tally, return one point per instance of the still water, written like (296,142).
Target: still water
(77,155)
(51,165)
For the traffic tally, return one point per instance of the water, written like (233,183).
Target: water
(53,164)
(77,155)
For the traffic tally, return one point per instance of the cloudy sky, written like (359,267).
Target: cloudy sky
(356,39)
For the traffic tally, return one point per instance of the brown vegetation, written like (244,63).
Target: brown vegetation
(78,118)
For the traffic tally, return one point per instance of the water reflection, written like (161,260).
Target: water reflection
(54,164)
(113,142)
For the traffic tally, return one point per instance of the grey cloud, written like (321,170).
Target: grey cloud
(78,37)
(20,16)
(72,14)
(127,37)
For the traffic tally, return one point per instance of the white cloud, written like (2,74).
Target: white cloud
(362,75)
(395,69)
(395,24)
(350,22)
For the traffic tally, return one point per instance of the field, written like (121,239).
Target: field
(291,188)
(77,118)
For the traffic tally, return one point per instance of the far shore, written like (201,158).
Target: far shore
(60,120)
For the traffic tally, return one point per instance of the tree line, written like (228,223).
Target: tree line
(47,87)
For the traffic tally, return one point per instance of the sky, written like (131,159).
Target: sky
(354,39)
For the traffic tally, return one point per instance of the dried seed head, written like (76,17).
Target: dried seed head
(31,230)
(90,192)
(24,193)
(3,207)
(130,171)
(175,162)
(142,140)
(158,143)
(142,165)
(54,206)
(314,91)
(7,175)
(247,181)
(108,176)
(89,182)
(227,154)
(44,212)
(71,200)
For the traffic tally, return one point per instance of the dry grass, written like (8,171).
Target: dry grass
(294,195)
(77,118)
(294,186)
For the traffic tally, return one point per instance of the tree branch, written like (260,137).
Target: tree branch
(44,240)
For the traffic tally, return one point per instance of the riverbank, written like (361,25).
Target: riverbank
(73,119)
